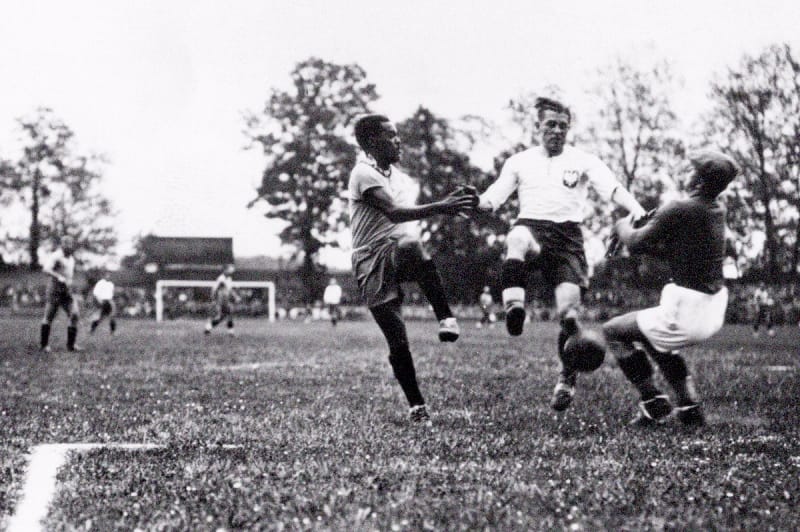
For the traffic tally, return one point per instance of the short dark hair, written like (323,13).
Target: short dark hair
(543,104)
(367,127)
(715,170)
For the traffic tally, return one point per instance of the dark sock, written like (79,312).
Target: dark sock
(513,274)
(230,324)
(94,325)
(216,321)
(44,335)
(430,283)
(113,325)
(403,367)
(639,371)
(569,326)
(673,367)
(72,334)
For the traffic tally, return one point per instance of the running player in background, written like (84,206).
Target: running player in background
(385,254)
(60,266)
(552,182)
(689,235)
(485,301)
(764,306)
(103,294)
(224,296)
(333,297)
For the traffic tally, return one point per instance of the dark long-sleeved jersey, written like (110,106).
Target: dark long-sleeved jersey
(690,235)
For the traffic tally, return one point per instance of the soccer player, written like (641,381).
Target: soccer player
(689,234)
(485,301)
(103,293)
(385,254)
(552,182)
(332,297)
(764,304)
(60,266)
(223,296)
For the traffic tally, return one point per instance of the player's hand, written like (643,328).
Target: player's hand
(460,200)
(638,213)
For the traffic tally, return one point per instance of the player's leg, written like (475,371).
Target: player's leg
(519,244)
(112,315)
(50,309)
(227,311)
(70,305)
(215,319)
(333,310)
(98,316)
(622,334)
(415,264)
(759,318)
(389,319)
(675,371)
(568,301)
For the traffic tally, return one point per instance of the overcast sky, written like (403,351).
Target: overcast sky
(160,86)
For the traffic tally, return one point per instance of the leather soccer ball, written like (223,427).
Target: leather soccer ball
(585,350)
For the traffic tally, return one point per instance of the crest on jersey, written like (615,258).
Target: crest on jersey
(570,178)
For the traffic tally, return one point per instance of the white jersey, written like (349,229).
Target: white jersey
(552,188)
(103,290)
(61,265)
(332,295)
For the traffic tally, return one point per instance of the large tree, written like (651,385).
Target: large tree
(303,133)
(756,118)
(634,130)
(435,152)
(59,188)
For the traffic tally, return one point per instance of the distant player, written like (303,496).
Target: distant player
(385,254)
(764,306)
(60,266)
(689,235)
(485,301)
(103,294)
(333,297)
(552,182)
(224,296)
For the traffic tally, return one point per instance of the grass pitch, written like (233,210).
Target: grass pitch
(301,426)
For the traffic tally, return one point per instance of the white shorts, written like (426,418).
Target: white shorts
(682,317)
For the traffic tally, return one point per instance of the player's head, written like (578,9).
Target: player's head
(378,137)
(67,245)
(333,281)
(712,172)
(486,290)
(229,269)
(553,119)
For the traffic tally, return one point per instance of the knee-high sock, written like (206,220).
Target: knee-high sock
(390,321)
(113,324)
(44,335)
(637,368)
(430,283)
(513,278)
(675,372)
(569,326)
(72,335)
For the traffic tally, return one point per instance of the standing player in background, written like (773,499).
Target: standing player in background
(764,305)
(485,301)
(385,254)
(552,182)
(689,235)
(103,294)
(223,296)
(60,266)
(333,297)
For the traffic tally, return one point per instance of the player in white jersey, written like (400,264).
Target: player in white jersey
(385,254)
(103,294)
(60,266)
(333,297)
(764,305)
(223,296)
(552,182)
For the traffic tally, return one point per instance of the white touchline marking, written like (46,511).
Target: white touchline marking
(40,481)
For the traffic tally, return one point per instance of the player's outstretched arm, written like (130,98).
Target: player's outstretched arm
(625,199)
(643,237)
(454,203)
(499,191)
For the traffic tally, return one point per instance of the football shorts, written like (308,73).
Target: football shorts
(562,258)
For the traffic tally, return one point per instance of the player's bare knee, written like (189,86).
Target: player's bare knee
(520,243)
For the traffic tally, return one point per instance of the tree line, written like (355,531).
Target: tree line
(305,136)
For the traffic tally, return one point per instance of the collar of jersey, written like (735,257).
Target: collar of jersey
(370,161)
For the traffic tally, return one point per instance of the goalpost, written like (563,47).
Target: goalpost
(269,286)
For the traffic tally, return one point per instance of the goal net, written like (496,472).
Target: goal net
(163,285)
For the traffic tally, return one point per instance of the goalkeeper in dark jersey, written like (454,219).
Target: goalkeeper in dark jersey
(689,235)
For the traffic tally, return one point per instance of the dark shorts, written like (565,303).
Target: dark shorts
(106,308)
(59,296)
(379,270)
(562,259)
(222,308)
